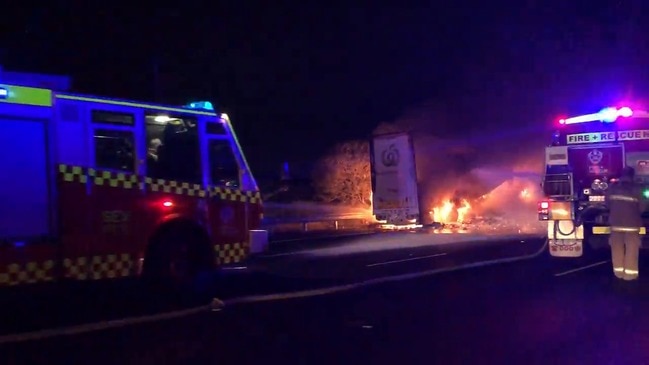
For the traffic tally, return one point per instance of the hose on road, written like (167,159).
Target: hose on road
(377,281)
(217,304)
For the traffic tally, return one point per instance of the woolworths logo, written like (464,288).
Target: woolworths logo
(390,156)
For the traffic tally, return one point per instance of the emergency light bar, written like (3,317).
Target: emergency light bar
(606,115)
(201,105)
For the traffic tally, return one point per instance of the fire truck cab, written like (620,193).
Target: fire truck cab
(96,188)
(587,154)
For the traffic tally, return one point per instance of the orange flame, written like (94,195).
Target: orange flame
(463,211)
(443,213)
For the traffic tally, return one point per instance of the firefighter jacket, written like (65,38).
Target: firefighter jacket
(624,200)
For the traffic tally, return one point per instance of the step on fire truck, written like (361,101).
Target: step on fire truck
(587,154)
(96,188)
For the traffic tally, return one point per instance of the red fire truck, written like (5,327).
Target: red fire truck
(588,152)
(96,188)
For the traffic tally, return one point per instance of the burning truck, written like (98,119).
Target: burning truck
(587,154)
(395,195)
(486,200)
(503,203)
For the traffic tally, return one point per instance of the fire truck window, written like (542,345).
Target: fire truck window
(224,169)
(114,150)
(173,149)
(107,117)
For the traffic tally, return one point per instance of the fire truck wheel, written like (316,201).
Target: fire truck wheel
(177,254)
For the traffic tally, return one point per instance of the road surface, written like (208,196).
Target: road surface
(539,310)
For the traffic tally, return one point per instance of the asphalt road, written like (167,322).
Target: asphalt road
(540,310)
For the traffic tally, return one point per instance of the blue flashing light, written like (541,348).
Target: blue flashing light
(201,105)
(608,115)
(4,93)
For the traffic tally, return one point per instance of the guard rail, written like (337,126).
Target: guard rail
(307,224)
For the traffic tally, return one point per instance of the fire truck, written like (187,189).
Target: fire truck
(96,188)
(587,154)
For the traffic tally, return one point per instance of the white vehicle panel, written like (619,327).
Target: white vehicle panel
(395,179)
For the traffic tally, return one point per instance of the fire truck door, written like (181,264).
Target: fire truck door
(116,196)
(228,218)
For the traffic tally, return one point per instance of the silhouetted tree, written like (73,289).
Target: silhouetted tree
(343,175)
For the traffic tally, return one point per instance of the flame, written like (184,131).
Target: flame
(463,211)
(443,212)
(525,194)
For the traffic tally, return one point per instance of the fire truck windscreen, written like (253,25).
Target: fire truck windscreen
(174,152)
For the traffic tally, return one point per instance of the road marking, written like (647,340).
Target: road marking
(324,237)
(219,305)
(283,254)
(582,268)
(305,250)
(404,260)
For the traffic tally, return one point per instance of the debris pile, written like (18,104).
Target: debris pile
(510,208)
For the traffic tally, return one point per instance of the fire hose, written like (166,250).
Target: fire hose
(557,228)
(575,222)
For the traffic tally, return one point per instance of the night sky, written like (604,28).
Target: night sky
(296,78)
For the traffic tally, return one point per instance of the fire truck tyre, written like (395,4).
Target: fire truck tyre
(177,255)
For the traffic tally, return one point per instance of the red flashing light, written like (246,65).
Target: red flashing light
(168,204)
(562,121)
(625,112)
(544,205)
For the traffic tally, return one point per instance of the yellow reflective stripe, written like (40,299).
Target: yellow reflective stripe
(26,273)
(229,253)
(607,230)
(132,181)
(99,267)
(618,269)
(631,273)
(622,198)
(625,229)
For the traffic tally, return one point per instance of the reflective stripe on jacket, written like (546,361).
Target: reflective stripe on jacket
(624,202)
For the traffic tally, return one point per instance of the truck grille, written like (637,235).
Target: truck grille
(559,185)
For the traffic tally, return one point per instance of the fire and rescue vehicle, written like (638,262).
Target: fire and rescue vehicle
(96,188)
(587,154)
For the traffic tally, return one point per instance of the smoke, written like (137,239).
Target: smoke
(450,147)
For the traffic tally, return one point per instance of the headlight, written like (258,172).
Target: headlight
(599,185)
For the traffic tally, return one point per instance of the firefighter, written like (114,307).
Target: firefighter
(625,204)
